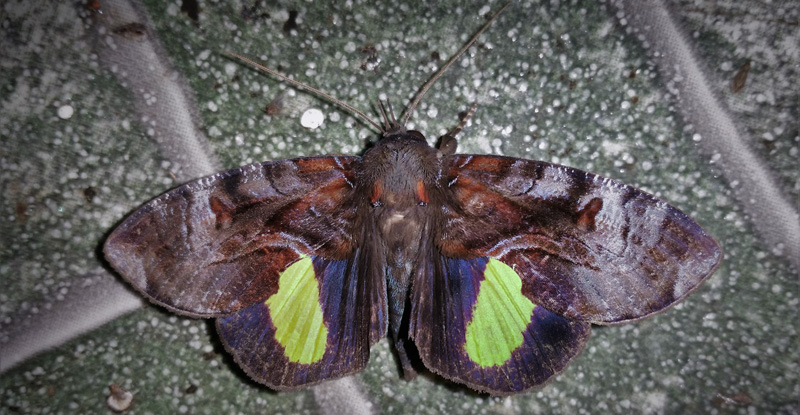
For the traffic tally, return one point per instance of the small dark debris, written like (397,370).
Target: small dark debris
(572,84)
(635,99)
(369,50)
(370,62)
(564,78)
(435,56)
(89,193)
(739,399)
(276,106)
(191,389)
(191,9)
(21,209)
(740,79)
(94,6)
(291,24)
(632,74)
(133,30)
(209,356)
(253,12)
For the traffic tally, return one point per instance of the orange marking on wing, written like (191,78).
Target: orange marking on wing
(222,212)
(422,193)
(587,214)
(377,190)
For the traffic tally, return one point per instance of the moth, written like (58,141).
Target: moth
(489,270)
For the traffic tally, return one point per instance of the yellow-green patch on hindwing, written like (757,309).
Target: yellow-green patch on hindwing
(297,314)
(499,317)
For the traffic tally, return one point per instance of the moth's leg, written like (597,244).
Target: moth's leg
(448,143)
(409,373)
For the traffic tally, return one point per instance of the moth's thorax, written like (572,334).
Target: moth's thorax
(400,179)
(401,170)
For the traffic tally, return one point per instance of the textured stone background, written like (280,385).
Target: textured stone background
(100,115)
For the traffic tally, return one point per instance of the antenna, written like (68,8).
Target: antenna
(429,84)
(414,103)
(306,87)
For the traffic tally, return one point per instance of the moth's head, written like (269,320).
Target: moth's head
(391,128)
(398,130)
(394,128)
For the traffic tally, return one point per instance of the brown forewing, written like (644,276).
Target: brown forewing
(586,247)
(218,244)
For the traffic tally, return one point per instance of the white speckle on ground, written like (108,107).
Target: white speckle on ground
(230,68)
(612,149)
(119,400)
(433,111)
(312,118)
(281,16)
(65,112)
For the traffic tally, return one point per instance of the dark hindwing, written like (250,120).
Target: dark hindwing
(341,348)
(491,342)
(585,247)
(221,246)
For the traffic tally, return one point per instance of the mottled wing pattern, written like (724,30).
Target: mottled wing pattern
(585,247)
(218,244)
(476,330)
